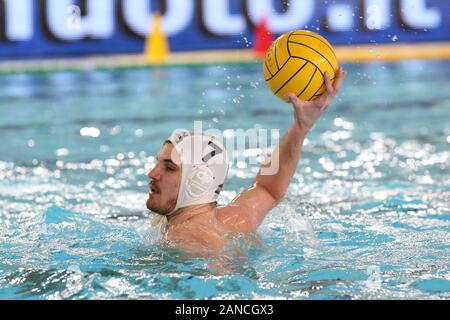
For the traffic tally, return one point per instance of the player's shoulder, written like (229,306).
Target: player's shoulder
(234,219)
(190,236)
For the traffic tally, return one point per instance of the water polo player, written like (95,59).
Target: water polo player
(191,169)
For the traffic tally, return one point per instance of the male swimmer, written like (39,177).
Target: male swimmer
(191,169)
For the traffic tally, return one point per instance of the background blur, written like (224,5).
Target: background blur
(46,28)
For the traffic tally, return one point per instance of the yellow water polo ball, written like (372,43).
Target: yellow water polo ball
(296,62)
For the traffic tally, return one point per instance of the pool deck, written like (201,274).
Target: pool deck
(345,54)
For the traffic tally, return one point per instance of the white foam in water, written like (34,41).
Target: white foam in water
(290,218)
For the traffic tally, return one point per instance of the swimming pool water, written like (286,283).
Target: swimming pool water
(367,215)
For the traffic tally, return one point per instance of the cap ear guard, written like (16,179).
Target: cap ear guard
(204,168)
(200,180)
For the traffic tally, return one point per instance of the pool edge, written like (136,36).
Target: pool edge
(346,54)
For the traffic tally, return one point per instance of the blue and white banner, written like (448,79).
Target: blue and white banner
(48,28)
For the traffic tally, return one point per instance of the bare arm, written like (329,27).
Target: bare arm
(287,154)
(283,162)
(247,211)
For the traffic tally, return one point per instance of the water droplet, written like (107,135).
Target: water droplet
(115,130)
(120,156)
(62,152)
(90,132)
(139,133)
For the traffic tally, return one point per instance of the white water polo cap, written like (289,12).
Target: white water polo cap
(204,167)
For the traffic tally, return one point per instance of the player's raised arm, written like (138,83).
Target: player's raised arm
(289,148)
(273,179)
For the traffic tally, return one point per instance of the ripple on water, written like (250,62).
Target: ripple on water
(366,216)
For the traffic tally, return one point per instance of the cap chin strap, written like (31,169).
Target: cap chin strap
(160,223)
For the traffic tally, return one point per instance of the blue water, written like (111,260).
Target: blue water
(367,215)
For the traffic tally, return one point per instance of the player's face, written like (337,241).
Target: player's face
(165,182)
